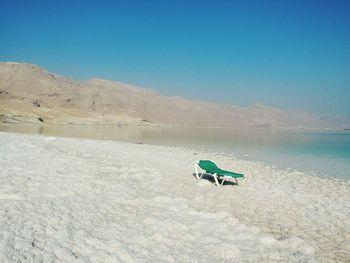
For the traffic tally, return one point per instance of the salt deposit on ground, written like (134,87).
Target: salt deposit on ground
(75,200)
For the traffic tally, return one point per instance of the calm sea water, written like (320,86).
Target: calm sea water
(319,153)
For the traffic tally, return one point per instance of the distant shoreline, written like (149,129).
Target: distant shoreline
(116,125)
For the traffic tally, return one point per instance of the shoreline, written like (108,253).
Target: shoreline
(277,141)
(283,215)
(169,126)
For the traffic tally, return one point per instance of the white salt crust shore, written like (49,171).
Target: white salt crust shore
(76,200)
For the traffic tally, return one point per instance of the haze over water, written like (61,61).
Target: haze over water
(324,154)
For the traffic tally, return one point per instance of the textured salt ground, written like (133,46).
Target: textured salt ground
(74,200)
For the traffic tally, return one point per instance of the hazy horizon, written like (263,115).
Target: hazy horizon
(290,55)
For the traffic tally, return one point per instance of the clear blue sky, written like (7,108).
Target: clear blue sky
(287,54)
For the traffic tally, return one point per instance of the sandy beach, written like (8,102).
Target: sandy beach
(79,200)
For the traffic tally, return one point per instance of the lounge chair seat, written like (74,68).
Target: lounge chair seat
(212,169)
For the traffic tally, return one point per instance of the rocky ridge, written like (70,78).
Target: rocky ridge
(31,94)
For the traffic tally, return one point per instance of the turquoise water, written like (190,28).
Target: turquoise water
(321,154)
(325,154)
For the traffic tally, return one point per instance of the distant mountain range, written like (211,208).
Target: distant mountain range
(31,94)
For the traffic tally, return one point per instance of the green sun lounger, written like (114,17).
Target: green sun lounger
(212,169)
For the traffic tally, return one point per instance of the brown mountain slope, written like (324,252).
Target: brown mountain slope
(28,93)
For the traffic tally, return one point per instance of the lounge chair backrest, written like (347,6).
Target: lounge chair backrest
(208,165)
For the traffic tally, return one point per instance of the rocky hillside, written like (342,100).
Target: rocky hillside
(29,93)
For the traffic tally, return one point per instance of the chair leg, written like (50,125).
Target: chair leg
(236,180)
(216,180)
(223,180)
(197,174)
